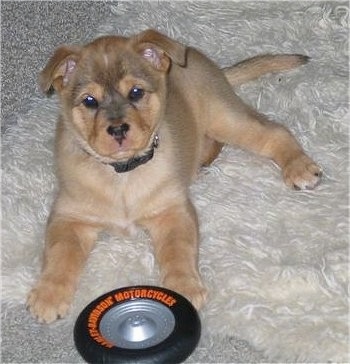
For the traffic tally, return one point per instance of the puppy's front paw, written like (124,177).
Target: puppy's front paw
(189,287)
(48,301)
(302,173)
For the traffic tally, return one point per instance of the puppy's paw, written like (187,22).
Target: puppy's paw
(189,287)
(48,301)
(302,173)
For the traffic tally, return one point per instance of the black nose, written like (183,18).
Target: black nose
(118,132)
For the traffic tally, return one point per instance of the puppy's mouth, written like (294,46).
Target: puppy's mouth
(138,160)
(127,160)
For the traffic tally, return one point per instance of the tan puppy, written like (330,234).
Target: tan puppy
(139,116)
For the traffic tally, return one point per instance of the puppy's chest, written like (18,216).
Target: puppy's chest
(125,199)
(130,200)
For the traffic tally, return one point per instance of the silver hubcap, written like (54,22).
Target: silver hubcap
(137,324)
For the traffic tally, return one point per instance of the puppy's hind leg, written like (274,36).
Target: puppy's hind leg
(68,244)
(237,124)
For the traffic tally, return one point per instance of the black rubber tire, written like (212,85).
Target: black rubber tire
(175,348)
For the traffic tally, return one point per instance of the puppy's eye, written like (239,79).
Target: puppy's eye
(136,94)
(90,102)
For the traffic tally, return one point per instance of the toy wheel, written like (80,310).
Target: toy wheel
(141,324)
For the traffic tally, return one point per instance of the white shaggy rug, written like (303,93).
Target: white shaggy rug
(275,260)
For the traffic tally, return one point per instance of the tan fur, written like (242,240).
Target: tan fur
(253,68)
(189,103)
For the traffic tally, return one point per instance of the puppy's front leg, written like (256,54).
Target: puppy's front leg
(239,125)
(68,244)
(175,238)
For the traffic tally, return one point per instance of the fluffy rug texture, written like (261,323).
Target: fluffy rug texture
(275,261)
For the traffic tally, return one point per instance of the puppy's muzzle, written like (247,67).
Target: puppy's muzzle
(118,132)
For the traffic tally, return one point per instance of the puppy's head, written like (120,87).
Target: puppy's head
(113,91)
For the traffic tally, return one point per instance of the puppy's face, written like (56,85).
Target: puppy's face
(113,91)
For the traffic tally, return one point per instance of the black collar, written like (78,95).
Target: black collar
(132,163)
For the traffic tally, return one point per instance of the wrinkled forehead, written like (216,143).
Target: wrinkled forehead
(108,60)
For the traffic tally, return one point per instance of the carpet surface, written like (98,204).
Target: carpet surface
(275,261)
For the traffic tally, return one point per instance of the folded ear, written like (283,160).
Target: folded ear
(159,49)
(59,68)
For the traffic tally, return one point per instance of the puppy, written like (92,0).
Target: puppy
(139,117)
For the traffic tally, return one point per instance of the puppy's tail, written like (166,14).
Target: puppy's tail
(255,67)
